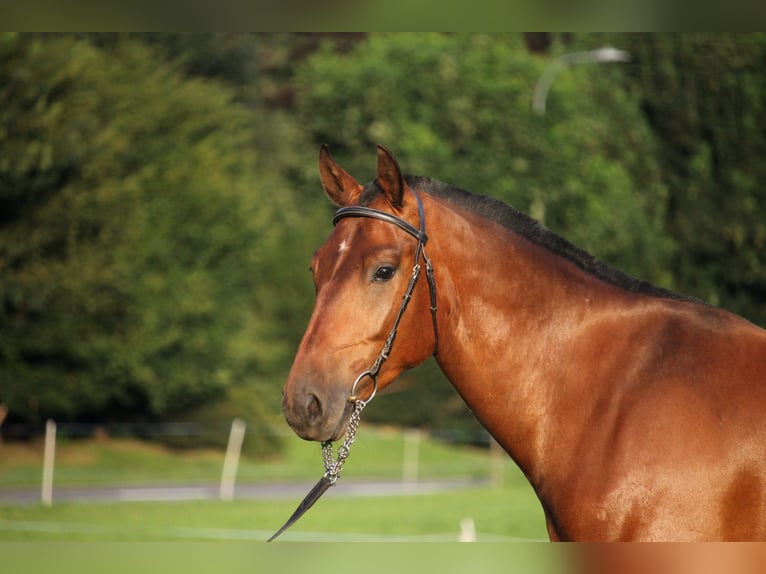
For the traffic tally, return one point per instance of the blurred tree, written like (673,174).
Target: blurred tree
(459,108)
(704,95)
(139,256)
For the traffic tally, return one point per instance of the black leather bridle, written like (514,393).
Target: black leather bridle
(420,235)
(333,467)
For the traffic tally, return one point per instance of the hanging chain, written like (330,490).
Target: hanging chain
(333,467)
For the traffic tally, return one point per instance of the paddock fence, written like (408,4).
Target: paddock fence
(145,457)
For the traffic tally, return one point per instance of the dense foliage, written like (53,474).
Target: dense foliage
(159,201)
(134,239)
(704,97)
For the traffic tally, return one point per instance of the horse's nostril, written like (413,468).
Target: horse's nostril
(314,407)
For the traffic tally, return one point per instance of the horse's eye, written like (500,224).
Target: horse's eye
(384,273)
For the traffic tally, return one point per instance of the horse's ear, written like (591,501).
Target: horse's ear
(390,177)
(340,186)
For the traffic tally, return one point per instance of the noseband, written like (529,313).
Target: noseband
(420,235)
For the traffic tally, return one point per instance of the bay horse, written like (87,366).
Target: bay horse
(636,413)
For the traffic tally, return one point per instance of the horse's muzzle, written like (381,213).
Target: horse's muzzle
(315,415)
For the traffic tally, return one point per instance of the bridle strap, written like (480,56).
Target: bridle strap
(361,211)
(420,235)
(333,468)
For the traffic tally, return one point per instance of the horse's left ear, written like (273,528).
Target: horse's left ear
(390,178)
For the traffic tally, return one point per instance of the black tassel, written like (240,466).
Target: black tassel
(313,495)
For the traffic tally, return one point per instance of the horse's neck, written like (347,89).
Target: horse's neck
(508,310)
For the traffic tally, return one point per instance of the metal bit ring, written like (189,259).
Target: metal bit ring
(353,398)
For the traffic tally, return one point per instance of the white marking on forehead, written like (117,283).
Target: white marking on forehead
(343,246)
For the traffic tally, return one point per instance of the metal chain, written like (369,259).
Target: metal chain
(333,467)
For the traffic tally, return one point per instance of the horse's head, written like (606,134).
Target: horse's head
(361,274)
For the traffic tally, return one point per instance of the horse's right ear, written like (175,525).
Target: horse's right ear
(340,186)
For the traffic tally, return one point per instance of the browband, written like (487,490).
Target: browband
(361,211)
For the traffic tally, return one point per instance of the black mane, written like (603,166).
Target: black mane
(522,224)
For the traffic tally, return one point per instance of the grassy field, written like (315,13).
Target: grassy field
(504,512)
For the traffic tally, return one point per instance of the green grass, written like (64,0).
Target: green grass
(509,511)
(249,558)
(498,513)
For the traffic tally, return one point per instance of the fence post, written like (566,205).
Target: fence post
(231,460)
(49,456)
(467,530)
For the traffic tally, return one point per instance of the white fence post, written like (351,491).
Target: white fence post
(231,461)
(49,456)
(467,530)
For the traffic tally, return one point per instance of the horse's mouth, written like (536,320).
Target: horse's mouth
(345,419)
